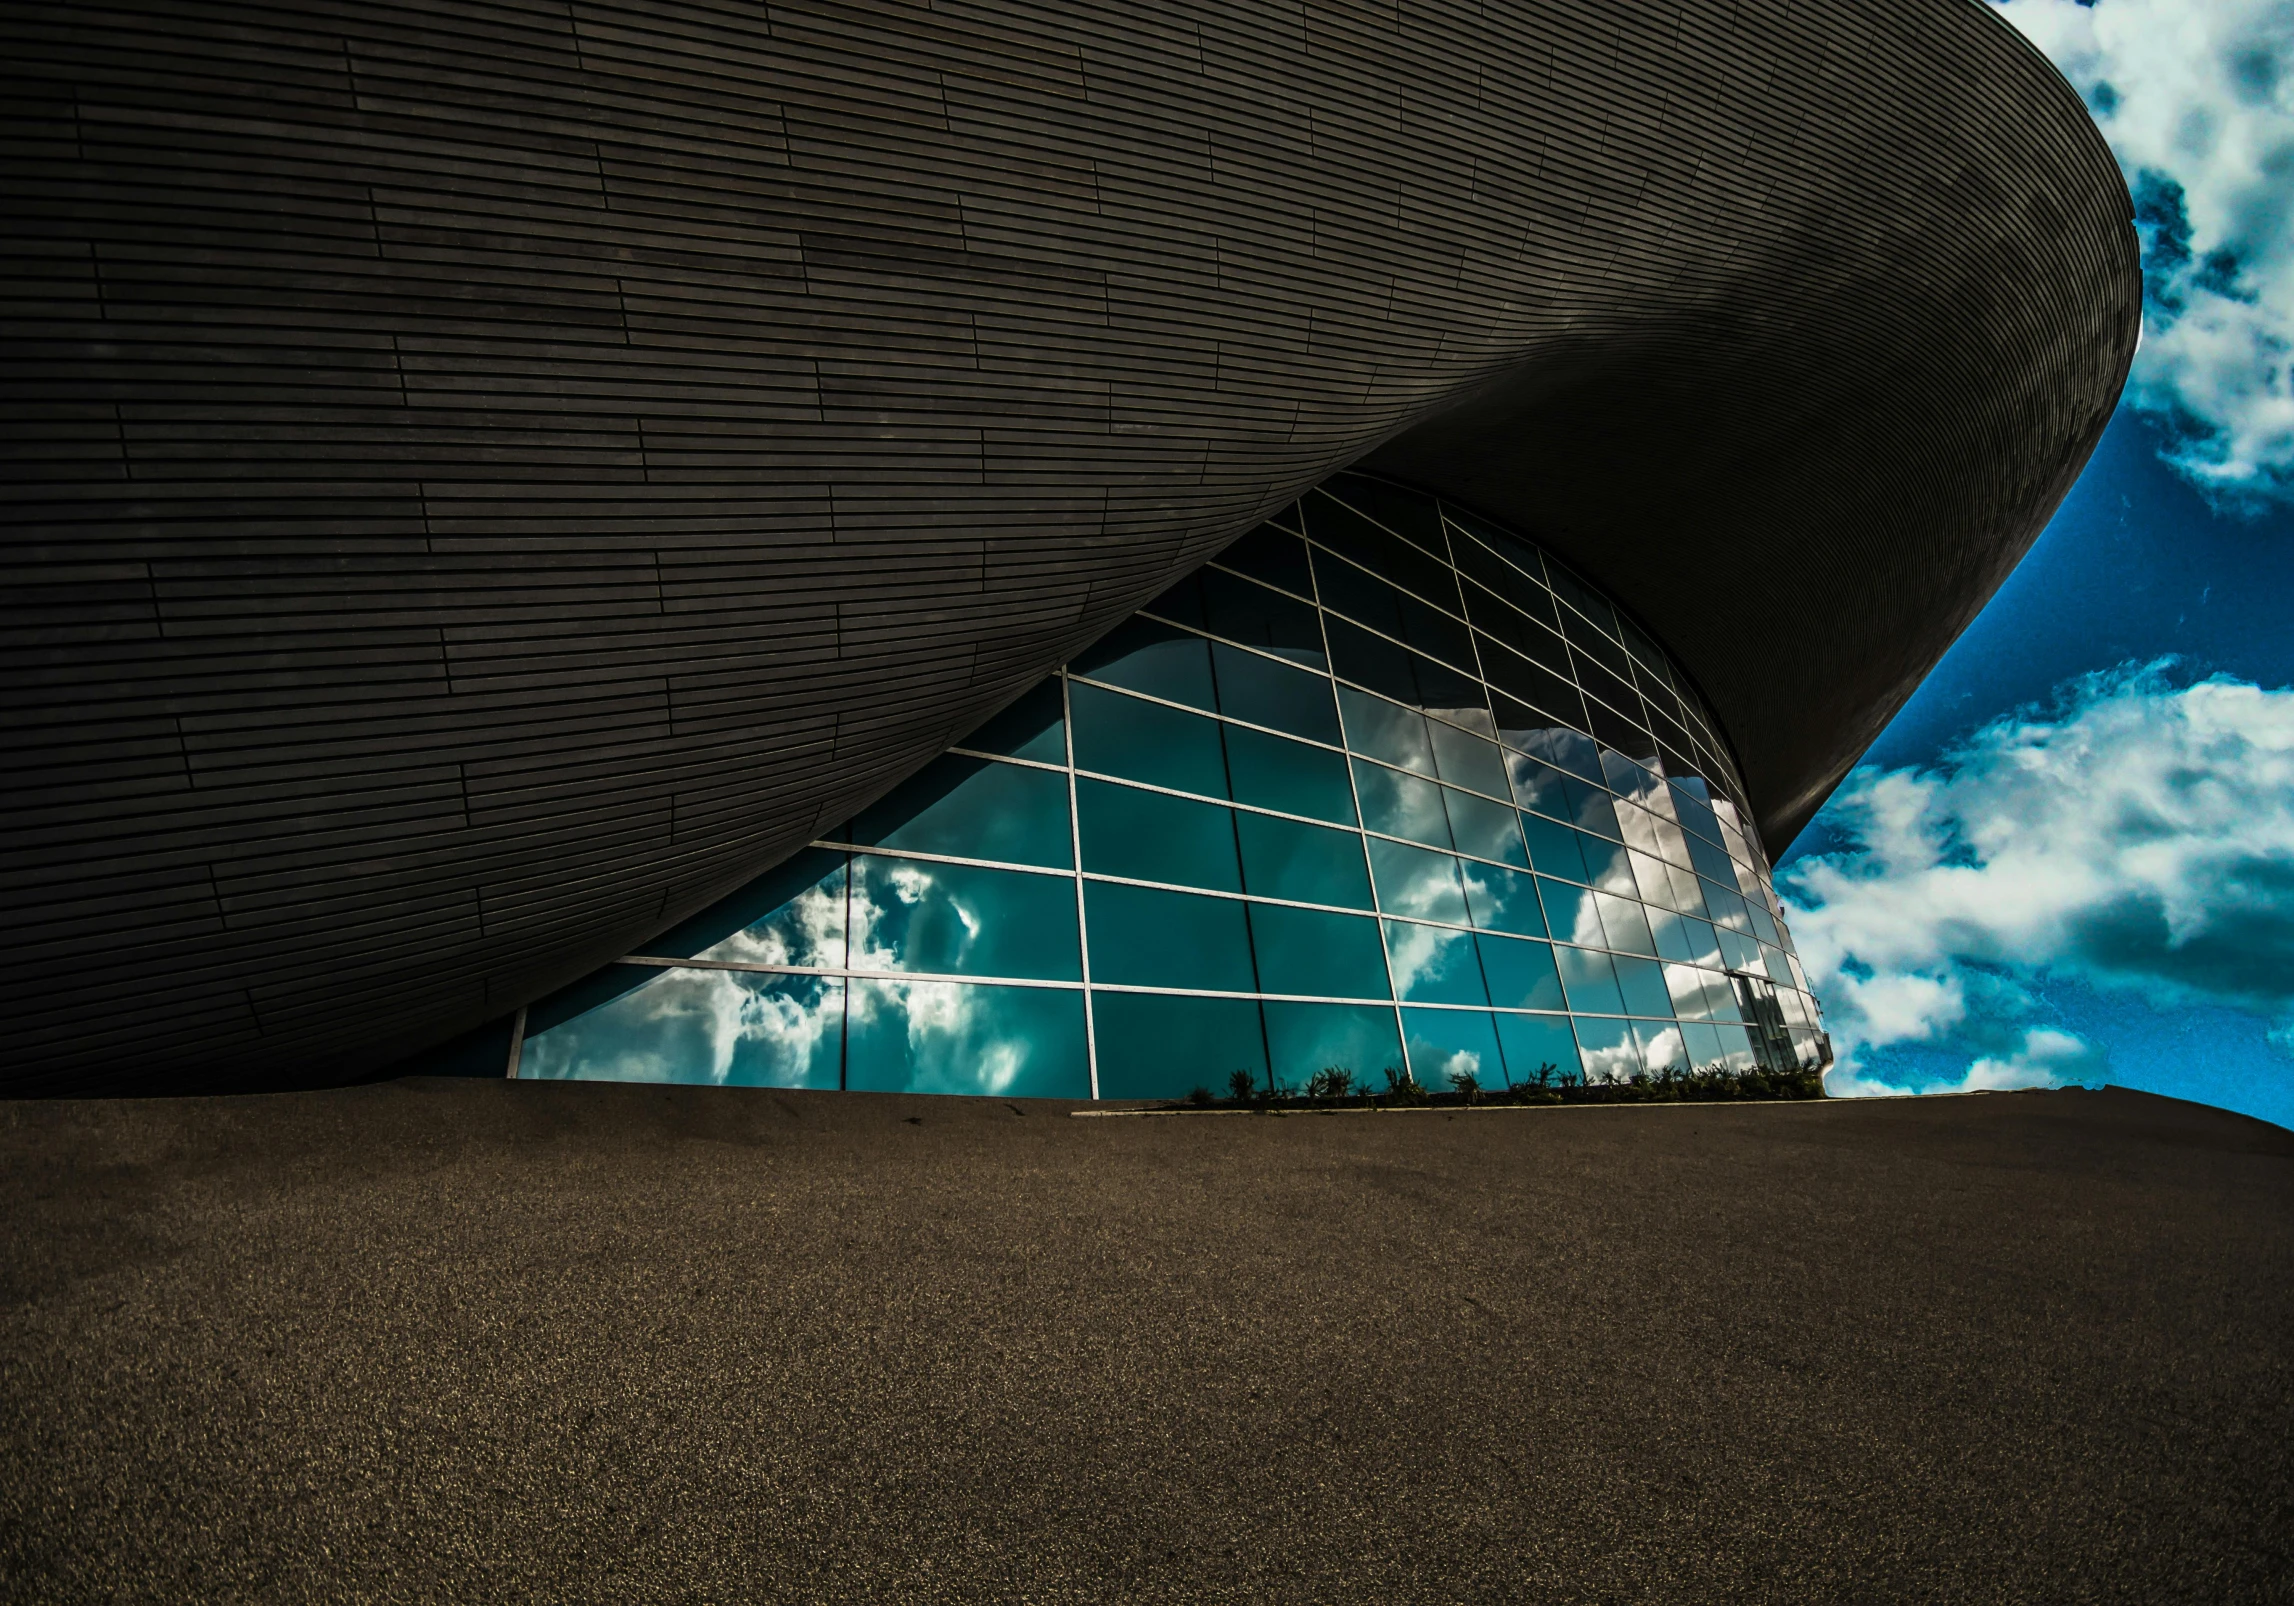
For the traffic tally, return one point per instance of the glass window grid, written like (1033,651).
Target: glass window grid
(1758,983)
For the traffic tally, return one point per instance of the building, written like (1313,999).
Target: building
(489,484)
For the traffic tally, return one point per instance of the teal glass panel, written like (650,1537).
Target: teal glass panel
(1143,741)
(1670,936)
(1502,900)
(1736,1048)
(1763,923)
(1412,881)
(1434,965)
(1150,837)
(1607,1050)
(1553,848)
(1540,1050)
(1305,1038)
(1592,809)
(1570,915)
(1304,863)
(1627,926)
(1380,730)
(1703,941)
(1536,785)
(1487,830)
(964,1037)
(1401,805)
(973,808)
(1662,1047)
(1317,954)
(1467,761)
(1452,1042)
(1608,865)
(1145,938)
(793,914)
(1701,1045)
(1520,974)
(1032,727)
(1589,980)
(724,1027)
(1273,772)
(962,920)
(1160,660)
(1779,970)
(1727,908)
(1155,1046)
(1741,952)
(1642,981)
(1686,985)
(1267,693)
(1688,892)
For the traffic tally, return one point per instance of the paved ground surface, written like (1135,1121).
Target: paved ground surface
(437,1341)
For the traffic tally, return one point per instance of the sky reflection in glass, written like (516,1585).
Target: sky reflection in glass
(1307,842)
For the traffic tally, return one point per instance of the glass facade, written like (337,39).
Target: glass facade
(1380,789)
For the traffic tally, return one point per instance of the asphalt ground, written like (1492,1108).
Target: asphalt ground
(491,1342)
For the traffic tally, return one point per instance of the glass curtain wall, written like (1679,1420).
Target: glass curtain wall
(1381,789)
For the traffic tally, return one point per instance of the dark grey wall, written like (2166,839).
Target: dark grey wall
(487,477)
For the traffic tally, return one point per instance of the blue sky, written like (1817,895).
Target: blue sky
(2070,859)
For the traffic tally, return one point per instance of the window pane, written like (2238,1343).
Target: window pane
(1701,1045)
(1267,693)
(1340,528)
(1736,1048)
(1502,900)
(1569,751)
(1686,985)
(1433,965)
(732,1028)
(1520,974)
(1452,1042)
(1157,659)
(1154,1046)
(1671,938)
(1688,891)
(1640,828)
(1592,809)
(1468,761)
(1628,928)
(1661,1046)
(1589,980)
(1384,731)
(1642,981)
(1371,661)
(1032,727)
(1305,863)
(1553,847)
(1704,945)
(1401,805)
(1151,837)
(1570,915)
(1142,741)
(957,1037)
(1608,865)
(1652,878)
(1485,829)
(1540,1050)
(1537,785)
(1256,617)
(973,808)
(793,914)
(1711,861)
(1274,772)
(1305,1038)
(1607,1050)
(1409,513)
(962,920)
(1320,955)
(1272,555)
(1146,938)
(1412,881)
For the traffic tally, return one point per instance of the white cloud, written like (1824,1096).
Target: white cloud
(2139,836)
(2197,101)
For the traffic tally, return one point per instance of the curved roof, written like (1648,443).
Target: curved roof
(494,480)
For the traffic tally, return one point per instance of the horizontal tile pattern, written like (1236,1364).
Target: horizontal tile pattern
(483,480)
